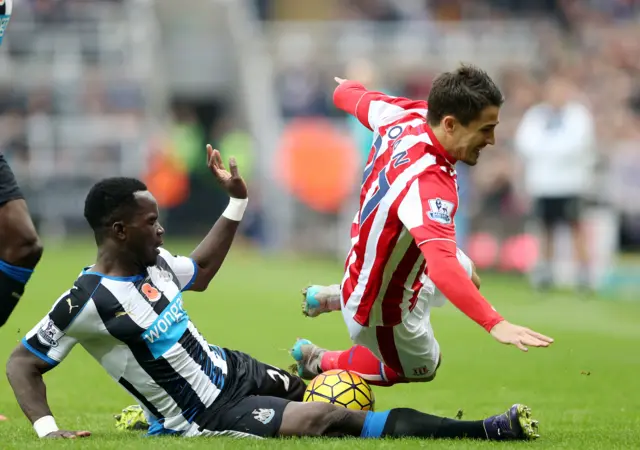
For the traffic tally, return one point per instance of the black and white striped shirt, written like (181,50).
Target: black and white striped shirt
(138,330)
(5,15)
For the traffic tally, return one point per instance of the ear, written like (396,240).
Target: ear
(119,230)
(449,124)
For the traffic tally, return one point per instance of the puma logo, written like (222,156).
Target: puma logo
(71,305)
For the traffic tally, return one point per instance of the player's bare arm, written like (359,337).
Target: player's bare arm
(211,252)
(474,275)
(24,371)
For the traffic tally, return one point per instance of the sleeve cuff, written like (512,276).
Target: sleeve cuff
(435,239)
(39,354)
(193,277)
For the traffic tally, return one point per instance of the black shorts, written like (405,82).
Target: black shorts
(554,210)
(9,189)
(253,399)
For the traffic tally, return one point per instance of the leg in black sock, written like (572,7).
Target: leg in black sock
(405,422)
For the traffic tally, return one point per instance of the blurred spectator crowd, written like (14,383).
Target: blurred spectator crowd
(594,44)
(67,96)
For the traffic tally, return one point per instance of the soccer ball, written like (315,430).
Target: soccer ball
(342,388)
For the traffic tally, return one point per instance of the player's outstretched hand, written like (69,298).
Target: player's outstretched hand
(521,337)
(66,434)
(230,180)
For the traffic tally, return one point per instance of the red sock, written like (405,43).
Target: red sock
(360,360)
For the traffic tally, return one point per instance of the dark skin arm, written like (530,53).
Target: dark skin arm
(211,252)
(24,372)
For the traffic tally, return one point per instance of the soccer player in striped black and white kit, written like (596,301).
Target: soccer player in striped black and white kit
(403,237)
(127,312)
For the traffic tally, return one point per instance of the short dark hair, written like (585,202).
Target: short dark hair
(463,94)
(110,200)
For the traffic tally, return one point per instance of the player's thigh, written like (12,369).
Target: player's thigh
(9,189)
(264,379)
(364,336)
(19,243)
(409,348)
(417,349)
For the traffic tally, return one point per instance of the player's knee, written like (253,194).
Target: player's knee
(29,252)
(24,249)
(32,250)
(321,418)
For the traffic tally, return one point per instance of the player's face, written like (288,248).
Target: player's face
(144,232)
(471,139)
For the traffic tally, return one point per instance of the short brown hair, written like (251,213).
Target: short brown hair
(463,94)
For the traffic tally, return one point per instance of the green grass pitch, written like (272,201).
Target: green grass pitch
(585,389)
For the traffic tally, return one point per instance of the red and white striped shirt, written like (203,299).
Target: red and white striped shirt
(405,225)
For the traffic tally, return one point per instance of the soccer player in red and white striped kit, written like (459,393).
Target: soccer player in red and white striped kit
(403,258)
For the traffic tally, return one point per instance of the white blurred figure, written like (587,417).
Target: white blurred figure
(556,141)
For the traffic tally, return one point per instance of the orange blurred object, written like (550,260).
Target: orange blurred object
(167,180)
(317,164)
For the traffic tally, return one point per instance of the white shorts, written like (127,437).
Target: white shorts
(410,348)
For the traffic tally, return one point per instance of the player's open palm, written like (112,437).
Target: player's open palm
(66,434)
(521,337)
(230,180)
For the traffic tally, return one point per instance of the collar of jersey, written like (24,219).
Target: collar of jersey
(108,277)
(438,146)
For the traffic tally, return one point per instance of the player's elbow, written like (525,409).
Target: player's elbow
(199,287)
(438,274)
(203,278)
(22,364)
(15,367)
(22,372)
